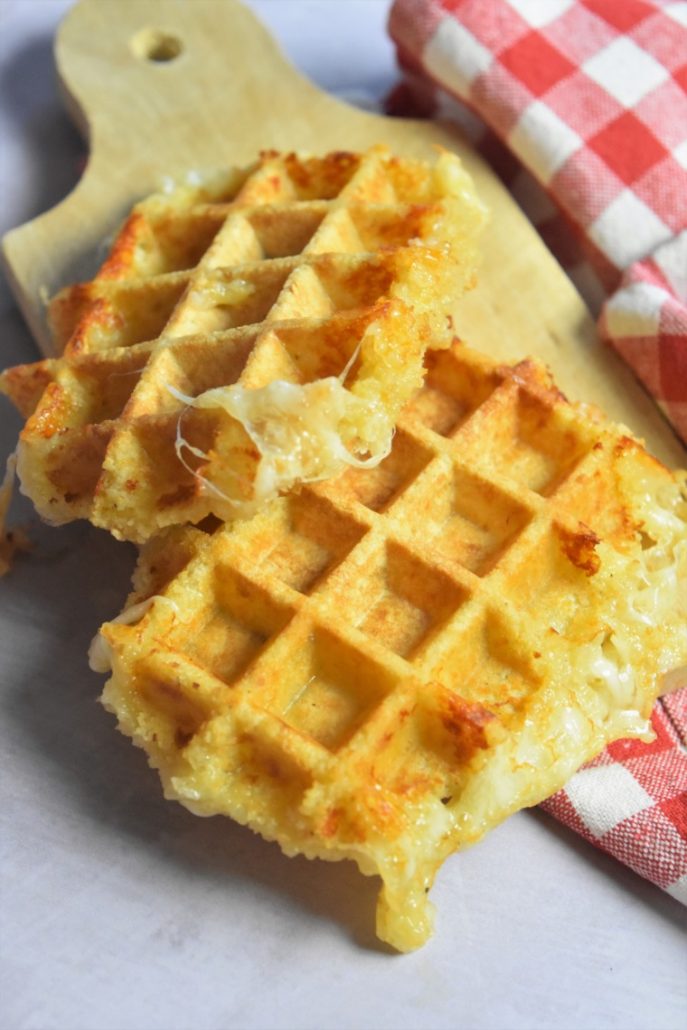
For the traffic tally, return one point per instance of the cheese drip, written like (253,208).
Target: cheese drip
(303,432)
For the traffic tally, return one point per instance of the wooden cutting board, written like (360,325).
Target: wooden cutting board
(163,86)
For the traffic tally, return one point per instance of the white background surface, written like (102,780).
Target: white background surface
(119,910)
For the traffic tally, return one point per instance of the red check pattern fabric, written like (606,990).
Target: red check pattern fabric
(631,801)
(581,107)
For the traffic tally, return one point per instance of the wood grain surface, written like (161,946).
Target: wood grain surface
(163,86)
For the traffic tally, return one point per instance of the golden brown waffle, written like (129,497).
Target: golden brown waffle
(11,540)
(383,666)
(255,331)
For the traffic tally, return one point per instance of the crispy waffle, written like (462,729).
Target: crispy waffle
(385,665)
(11,540)
(245,334)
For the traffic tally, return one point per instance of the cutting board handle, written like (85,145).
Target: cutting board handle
(143,75)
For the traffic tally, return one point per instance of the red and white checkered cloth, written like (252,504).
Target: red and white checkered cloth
(631,801)
(586,107)
(581,107)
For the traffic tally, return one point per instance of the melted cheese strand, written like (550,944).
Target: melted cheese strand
(303,433)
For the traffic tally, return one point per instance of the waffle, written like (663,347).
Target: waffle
(11,540)
(245,334)
(383,666)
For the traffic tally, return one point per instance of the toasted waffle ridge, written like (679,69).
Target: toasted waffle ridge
(246,333)
(385,665)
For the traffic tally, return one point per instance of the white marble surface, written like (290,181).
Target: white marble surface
(119,910)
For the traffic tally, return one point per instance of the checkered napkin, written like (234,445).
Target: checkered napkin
(581,107)
(631,801)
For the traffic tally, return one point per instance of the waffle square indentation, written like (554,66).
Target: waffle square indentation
(180,694)
(354,282)
(76,461)
(324,349)
(191,367)
(320,178)
(452,391)
(388,226)
(97,389)
(142,464)
(285,232)
(533,444)
(312,538)
(399,601)
(242,619)
(303,297)
(487,662)
(222,299)
(377,488)
(566,561)
(334,690)
(473,522)
(177,239)
(128,313)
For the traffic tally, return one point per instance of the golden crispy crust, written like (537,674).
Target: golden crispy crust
(295,270)
(384,666)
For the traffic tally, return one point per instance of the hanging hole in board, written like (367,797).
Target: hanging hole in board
(156,45)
